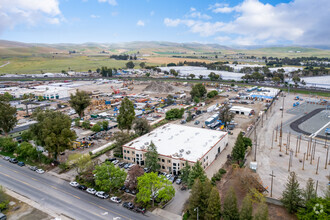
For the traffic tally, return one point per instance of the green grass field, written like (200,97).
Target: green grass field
(34,65)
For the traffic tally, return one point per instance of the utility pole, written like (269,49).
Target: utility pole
(304,162)
(283,105)
(299,144)
(281,137)
(272,140)
(276,133)
(255,145)
(317,184)
(317,167)
(326,160)
(307,150)
(290,159)
(296,147)
(271,185)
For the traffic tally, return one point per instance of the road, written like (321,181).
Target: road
(57,195)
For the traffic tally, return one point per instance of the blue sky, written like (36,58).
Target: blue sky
(234,22)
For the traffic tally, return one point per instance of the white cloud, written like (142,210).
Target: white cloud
(95,16)
(222,39)
(29,12)
(140,23)
(111,2)
(199,15)
(192,9)
(298,22)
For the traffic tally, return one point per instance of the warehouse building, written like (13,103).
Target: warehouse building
(177,144)
(239,110)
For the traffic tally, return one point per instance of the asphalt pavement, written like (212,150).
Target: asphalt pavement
(57,195)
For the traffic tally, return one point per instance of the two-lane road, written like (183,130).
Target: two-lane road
(57,195)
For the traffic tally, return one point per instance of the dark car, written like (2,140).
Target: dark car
(127,165)
(146,170)
(127,191)
(139,210)
(82,187)
(21,164)
(133,192)
(121,164)
(110,159)
(123,188)
(13,160)
(128,205)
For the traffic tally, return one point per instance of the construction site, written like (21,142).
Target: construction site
(291,137)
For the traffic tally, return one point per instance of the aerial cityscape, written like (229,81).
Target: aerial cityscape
(164,110)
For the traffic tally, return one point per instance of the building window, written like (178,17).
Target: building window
(133,152)
(163,167)
(128,151)
(183,164)
(125,157)
(174,164)
(163,160)
(158,159)
(137,155)
(204,159)
(128,158)
(169,161)
(207,157)
(124,151)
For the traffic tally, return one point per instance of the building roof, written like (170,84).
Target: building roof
(240,108)
(22,127)
(178,141)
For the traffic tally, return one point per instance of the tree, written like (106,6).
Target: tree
(105,125)
(7,96)
(147,74)
(207,188)
(151,158)
(276,79)
(212,94)
(262,212)
(27,151)
(135,172)
(185,173)
(198,91)
(174,114)
(230,210)
(106,72)
(291,196)
(108,177)
(246,209)
(316,208)
(81,162)
(152,186)
(86,124)
(130,65)
(79,102)
(98,70)
(26,135)
(141,126)
(213,210)
(142,65)
(53,131)
(8,145)
(196,171)
(195,198)
(192,76)
(169,100)
(225,115)
(126,114)
(8,118)
(239,149)
(96,128)
(200,77)
(309,192)
(172,72)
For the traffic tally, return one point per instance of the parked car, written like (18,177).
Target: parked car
(139,210)
(128,205)
(168,176)
(121,164)
(127,165)
(82,187)
(127,190)
(171,179)
(115,162)
(91,191)
(13,160)
(6,158)
(131,165)
(178,181)
(115,200)
(33,168)
(110,159)
(123,188)
(196,122)
(133,192)
(74,184)
(21,164)
(40,171)
(146,170)
(102,195)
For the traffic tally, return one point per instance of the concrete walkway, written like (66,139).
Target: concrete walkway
(166,215)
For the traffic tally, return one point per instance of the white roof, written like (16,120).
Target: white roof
(179,141)
(240,108)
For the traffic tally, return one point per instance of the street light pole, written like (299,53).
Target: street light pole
(196,209)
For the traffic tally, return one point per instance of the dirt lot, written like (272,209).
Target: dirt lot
(21,211)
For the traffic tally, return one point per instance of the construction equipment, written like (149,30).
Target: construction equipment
(115,91)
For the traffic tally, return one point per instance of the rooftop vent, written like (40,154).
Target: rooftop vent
(146,143)
(181,150)
(181,155)
(188,152)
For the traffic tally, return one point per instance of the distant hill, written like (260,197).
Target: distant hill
(157,48)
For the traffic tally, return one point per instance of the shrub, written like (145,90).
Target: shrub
(174,114)
(96,128)
(86,124)
(212,94)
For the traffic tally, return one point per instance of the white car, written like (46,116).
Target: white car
(102,195)
(74,184)
(91,191)
(115,162)
(40,171)
(115,200)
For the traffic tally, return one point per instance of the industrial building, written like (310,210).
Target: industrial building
(239,110)
(177,144)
